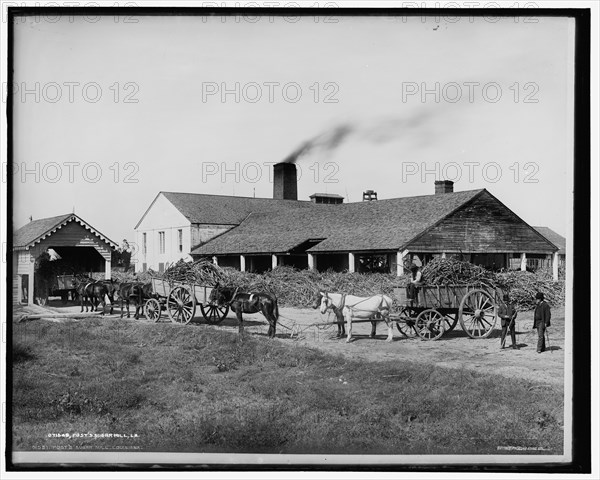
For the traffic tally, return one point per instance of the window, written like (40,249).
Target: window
(144,267)
(161,267)
(180,240)
(161,242)
(144,244)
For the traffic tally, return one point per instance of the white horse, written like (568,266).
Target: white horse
(359,308)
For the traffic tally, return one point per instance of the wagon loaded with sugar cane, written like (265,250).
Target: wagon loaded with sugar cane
(439,308)
(453,291)
(181,289)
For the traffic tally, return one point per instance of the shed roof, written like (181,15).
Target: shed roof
(37,230)
(555,238)
(200,208)
(362,226)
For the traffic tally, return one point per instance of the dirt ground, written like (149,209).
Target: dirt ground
(453,350)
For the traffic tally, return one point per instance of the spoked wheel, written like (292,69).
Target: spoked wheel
(407,325)
(152,310)
(214,314)
(477,314)
(181,305)
(430,324)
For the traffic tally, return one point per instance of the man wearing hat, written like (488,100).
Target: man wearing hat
(541,320)
(412,289)
(507,314)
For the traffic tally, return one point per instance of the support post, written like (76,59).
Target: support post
(400,256)
(215,260)
(107,269)
(351,265)
(443,254)
(311,261)
(242,263)
(523,262)
(555,260)
(31,273)
(273,262)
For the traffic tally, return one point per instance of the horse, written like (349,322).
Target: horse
(90,291)
(111,288)
(339,316)
(360,308)
(241,302)
(135,292)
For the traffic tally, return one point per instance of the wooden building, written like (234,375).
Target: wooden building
(75,241)
(376,235)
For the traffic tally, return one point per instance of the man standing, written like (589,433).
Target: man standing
(507,314)
(541,320)
(412,289)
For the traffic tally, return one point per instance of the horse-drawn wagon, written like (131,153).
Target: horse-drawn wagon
(438,308)
(180,300)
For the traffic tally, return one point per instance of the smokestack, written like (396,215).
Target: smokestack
(285,183)
(444,186)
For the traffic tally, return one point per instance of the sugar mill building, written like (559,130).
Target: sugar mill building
(379,235)
(73,240)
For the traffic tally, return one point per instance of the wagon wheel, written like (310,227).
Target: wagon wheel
(477,314)
(450,323)
(181,305)
(430,324)
(214,313)
(407,326)
(152,310)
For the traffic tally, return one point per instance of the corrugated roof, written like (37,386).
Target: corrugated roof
(225,210)
(555,238)
(36,230)
(377,225)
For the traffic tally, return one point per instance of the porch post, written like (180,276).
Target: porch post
(273,262)
(443,254)
(523,262)
(215,261)
(351,266)
(31,273)
(107,267)
(555,261)
(311,261)
(400,256)
(242,263)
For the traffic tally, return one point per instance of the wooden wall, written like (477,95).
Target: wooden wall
(73,234)
(483,225)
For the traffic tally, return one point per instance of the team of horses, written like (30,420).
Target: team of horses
(93,293)
(346,308)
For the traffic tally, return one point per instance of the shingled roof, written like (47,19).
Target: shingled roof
(555,238)
(37,230)
(200,208)
(362,226)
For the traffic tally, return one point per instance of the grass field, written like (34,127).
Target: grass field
(185,388)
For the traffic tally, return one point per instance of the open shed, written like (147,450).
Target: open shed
(76,246)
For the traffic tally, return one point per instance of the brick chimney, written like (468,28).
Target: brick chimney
(285,181)
(444,186)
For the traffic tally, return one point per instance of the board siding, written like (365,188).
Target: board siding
(73,234)
(483,225)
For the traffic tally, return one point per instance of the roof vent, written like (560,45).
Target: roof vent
(328,198)
(369,195)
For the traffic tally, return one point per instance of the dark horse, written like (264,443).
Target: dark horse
(90,291)
(241,302)
(339,316)
(134,292)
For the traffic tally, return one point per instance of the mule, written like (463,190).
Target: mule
(111,288)
(339,316)
(92,292)
(358,308)
(241,302)
(135,292)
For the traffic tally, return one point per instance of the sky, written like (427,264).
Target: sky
(108,111)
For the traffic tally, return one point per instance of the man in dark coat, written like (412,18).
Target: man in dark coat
(541,320)
(507,314)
